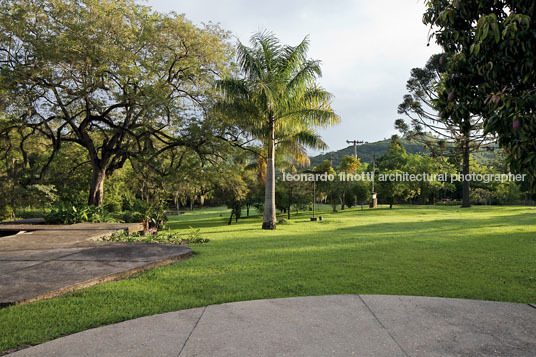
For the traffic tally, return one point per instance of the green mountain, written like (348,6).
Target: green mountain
(365,152)
(379,148)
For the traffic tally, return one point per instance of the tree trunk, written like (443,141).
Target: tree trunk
(230,218)
(466,200)
(289,202)
(269,220)
(96,190)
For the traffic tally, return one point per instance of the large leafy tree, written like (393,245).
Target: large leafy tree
(23,156)
(392,162)
(276,94)
(350,165)
(430,190)
(493,46)
(438,119)
(111,76)
(326,189)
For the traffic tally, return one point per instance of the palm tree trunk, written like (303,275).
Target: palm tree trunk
(269,193)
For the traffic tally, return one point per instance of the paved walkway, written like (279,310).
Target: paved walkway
(343,325)
(50,260)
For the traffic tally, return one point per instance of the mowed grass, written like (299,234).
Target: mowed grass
(485,253)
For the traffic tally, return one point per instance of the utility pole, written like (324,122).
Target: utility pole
(373,170)
(314,200)
(355,142)
(313,218)
(374,202)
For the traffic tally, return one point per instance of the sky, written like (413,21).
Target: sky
(367,49)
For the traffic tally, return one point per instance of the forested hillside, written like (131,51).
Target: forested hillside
(379,148)
(365,151)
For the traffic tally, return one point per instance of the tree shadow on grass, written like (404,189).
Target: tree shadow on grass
(446,225)
(439,230)
(198,223)
(417,225)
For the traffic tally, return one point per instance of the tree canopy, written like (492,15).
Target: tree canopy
(491,48)
(114,77)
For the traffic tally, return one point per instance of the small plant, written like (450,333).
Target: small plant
(195,233)
(194,237)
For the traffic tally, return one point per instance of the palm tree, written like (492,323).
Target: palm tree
(290,151)
(276,95)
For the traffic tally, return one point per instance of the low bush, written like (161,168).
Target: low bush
(31,212)
(158,237)
(130,216)
(77,214)
(448,202)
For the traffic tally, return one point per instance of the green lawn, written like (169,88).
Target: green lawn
(486,253)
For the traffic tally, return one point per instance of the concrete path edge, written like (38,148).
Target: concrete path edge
(335,325)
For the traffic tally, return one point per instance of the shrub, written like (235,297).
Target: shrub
(158,237)
(77,214)
(114,206)
(155,217)
(130,216)
(480,196)
(448,202)
(31,212)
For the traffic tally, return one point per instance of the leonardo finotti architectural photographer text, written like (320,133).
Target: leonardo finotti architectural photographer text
(404,176)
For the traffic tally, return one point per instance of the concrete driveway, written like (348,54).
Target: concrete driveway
(342,325)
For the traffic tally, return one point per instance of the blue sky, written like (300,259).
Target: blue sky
(367,49)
